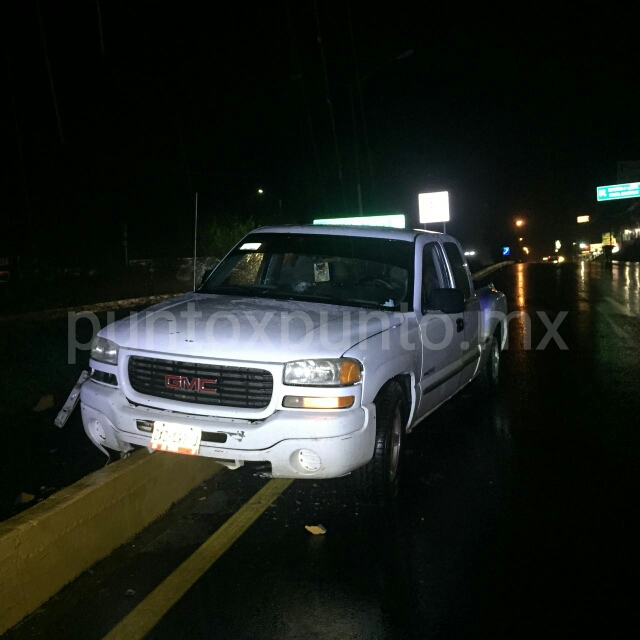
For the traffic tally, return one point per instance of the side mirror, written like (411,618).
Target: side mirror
(447,301)
(205,275)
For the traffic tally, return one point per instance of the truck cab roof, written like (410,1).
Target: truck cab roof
(409,235)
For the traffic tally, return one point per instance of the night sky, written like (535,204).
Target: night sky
(516,114)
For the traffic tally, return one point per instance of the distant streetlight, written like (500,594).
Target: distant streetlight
(520,239)
(278,198)
(526,250)
(519,222)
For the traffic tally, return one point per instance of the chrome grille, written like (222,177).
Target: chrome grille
(226,386)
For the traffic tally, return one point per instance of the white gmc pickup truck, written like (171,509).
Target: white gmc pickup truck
(309,352)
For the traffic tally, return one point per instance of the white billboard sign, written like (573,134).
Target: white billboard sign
(434,207)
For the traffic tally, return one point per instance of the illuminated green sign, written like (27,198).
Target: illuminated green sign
(395,220)
(618,191)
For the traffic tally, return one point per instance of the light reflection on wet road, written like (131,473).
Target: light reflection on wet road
(516,514)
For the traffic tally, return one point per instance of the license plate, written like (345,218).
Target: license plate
(177,438)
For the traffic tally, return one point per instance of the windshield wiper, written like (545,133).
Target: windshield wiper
(258,292)
(341,302)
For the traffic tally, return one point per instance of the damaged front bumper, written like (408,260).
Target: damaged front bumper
(296,443)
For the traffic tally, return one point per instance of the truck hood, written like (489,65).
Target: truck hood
(248,329)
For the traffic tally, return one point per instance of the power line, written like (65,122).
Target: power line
(46,57)
(357,73)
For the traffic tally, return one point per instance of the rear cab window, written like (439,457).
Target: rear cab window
(459,268)
(434,273)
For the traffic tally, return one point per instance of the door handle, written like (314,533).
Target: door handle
(460,324)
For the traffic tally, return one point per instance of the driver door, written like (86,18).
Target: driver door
(441,339)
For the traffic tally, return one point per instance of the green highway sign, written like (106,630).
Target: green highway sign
(618,191)
(395,220)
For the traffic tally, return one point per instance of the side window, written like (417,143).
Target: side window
(432,272)
(459,267)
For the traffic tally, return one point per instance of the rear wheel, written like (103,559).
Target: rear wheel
(489,377)
(378,480)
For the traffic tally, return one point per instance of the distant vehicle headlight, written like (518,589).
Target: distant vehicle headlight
(335,372)
(103,350)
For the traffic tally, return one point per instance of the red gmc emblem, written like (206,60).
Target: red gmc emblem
(195,384)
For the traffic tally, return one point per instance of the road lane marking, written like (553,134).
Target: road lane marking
(148,613)
(620,307)
(621,333)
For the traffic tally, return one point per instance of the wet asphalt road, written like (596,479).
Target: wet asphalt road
(516,516)
(36,457)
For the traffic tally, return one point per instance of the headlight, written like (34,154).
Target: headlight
(104,350)
(337,372)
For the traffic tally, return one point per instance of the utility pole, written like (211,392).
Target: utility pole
(329,103)
(355,150)
(100,28)
(357,74)
(195,242)
(27,202)
(126,245)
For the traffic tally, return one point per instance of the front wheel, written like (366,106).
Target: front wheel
(378,480)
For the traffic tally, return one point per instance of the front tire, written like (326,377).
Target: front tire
(378,480)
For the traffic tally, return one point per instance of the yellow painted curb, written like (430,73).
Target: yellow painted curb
(50,544)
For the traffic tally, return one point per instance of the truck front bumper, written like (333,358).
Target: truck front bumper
(297,443)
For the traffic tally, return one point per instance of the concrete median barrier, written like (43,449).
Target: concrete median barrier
(97,307)
(487,271)
(50,544)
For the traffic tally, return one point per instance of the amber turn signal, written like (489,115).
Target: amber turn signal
(349,372)
(301,402)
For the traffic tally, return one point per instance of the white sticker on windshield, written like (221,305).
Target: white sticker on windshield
(250,246)
(321,271)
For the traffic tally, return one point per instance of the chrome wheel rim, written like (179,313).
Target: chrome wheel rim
(396,442)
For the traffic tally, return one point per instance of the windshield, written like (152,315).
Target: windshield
(354,271)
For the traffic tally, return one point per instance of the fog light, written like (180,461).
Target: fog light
(104,377)
(301,402)
(145,425)
(309,460)
(97,431)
